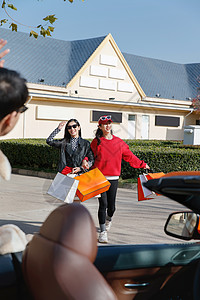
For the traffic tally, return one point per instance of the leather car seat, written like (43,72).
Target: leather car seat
(58,262)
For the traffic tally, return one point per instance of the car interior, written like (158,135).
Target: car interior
(63,262)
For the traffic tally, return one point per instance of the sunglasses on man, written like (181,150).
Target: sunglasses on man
(72,126)
(22,109)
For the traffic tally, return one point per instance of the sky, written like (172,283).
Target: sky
(161,29)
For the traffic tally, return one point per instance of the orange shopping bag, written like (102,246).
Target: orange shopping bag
(91,184)
(143,192)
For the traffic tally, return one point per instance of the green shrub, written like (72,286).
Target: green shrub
(165,156)
(32,154)
(163,159)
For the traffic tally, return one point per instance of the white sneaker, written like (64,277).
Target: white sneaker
(108,225)
(103,238)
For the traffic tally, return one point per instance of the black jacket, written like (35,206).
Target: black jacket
(72,158)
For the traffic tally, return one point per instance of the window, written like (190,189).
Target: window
(167,121)
(116,117)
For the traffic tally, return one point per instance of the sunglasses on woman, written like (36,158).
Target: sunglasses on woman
(105,118)
(72,126)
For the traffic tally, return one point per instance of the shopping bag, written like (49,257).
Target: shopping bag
(91,184)
(143,192)
(66,170)
(63,188)
(150,176)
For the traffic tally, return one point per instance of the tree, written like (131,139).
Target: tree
(42,29)
(196,101)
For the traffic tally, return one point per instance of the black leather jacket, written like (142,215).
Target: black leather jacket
(71,158)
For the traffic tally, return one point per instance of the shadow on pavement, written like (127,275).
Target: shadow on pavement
(26,226)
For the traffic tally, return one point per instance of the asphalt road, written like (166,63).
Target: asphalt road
(24,202)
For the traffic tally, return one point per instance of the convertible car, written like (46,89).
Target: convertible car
(61,262)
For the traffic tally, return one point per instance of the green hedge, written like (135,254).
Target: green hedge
(165,156)
(164,160)
(32,154)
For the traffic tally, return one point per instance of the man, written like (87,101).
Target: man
(13,95)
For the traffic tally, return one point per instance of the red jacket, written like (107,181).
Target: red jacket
(109,154)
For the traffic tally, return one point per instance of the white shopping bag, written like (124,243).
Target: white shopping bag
(146,191)
(63,188)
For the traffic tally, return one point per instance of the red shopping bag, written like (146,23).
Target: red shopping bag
(66,170)
(143,192)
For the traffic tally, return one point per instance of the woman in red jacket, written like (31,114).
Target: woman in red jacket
(109,151)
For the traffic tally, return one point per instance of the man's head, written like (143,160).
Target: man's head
(13,95)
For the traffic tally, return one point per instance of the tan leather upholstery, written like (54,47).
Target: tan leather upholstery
(58,262)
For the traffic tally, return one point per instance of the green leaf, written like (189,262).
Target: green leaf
(13,26)
(48,33)
(34,34)
(51,28)
(43,32)
(51,19)
(3,21)
(12,6)
(3,4)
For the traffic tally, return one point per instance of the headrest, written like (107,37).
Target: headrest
(71,226)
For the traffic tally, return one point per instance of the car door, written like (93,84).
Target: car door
(158,271)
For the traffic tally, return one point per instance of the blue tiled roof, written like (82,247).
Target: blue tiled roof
(170,80)
(57,62)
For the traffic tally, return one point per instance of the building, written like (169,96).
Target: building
(147,98)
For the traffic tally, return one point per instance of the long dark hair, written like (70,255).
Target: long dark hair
(67,135)
(99,134)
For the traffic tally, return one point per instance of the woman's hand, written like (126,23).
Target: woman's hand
(76,170)
(147,167)
(85,165)
(62,124)
(2,54)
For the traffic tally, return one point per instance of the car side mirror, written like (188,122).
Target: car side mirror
(183,225)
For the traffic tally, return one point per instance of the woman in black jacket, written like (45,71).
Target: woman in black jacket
(75,152)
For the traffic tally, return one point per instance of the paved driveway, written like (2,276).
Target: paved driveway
(24,202)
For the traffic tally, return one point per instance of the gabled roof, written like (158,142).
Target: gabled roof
(55,61)
(49,61)
(169,80)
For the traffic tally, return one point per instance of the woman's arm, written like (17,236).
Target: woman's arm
(94,147)
(90,156)
(132,159)
(88,161)
(50,140)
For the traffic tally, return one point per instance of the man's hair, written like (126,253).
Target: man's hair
(13,91)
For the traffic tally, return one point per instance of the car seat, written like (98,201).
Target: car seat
(58,261)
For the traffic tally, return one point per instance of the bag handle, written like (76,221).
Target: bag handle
(149,171)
